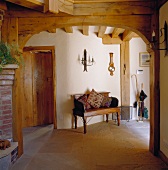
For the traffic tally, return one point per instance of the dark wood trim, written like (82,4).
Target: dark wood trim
(163,157)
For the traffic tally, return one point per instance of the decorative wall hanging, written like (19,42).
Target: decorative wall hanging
(111,67)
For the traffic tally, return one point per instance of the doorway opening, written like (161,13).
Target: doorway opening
(39,87)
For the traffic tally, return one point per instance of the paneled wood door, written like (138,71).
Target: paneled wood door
(38,88)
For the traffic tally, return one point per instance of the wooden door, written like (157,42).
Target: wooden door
(38,89)
(43,88)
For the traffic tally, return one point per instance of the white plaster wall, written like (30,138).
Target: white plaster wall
(137,45)
(163,88)
(69,72)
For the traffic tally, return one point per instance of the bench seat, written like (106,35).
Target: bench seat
(80,111)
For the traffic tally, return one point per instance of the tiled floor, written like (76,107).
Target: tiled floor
(104,147)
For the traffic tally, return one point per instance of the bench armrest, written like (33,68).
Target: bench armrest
(79,106)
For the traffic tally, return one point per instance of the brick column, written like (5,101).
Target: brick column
(6,82)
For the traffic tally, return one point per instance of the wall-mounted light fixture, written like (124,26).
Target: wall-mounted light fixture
(111,67)
(164,34)
(86,61)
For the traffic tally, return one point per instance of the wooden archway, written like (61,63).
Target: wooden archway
(19,30)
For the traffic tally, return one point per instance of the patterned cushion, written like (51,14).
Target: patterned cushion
(83,99)
(95,99)
(106,102)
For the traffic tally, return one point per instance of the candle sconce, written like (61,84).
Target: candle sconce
(111,67)
(87,61)
(164,34)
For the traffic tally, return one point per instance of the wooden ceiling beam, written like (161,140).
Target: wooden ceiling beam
(127,35)
(65,6)
(32,4)
(108,40)
(51,30)
(102,1)
(116,32)
(86,30)
(115,8)
(68,29)
(101,31)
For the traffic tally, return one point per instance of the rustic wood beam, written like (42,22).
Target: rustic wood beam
(141,24)
(10,35)
(65,6)
(101,1)
(115,8)
(127,35)
(116,32)
(53,6)
(101,31)
(46,6)
(52,30)
(32,4)
(108,40)
(68,29)
(86,30)
(125,73)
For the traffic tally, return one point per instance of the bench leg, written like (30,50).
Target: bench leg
(118,118)
(84,125)
(106,117)
(75,122)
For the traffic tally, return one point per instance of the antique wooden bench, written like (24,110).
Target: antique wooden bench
(80,111)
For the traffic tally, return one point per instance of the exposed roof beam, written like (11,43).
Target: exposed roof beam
(51,30)
(85,30)
(116,8)
(32,4)
(108,40)
(101,31)
(116,32)
(69,29)
(127,35)
(65,6)
(100,1)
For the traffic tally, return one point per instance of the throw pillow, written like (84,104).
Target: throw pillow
(106,102)
(83,100)
(95,99)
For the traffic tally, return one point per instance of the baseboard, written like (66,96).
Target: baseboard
(163,157)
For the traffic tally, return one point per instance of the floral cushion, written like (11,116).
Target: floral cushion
(95,99)
(83,99)
(106,102)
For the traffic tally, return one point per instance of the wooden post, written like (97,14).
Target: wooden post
(10,35)
(125,74)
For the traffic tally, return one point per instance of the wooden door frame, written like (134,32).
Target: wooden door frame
(52,50)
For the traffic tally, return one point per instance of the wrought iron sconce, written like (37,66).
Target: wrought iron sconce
(87,62)
(111,67)
(163,32)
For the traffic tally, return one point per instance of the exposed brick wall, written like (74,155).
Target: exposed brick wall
(6,83)
(6,111)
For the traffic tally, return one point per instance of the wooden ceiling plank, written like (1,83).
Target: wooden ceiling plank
(116,32)
(86,30)
(68,29)
(127,35)
(117,8)
(108,40)
(32,4)
(101,31)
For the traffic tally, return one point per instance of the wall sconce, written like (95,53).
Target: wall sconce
(163,32)
(111,67)
(87,62)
